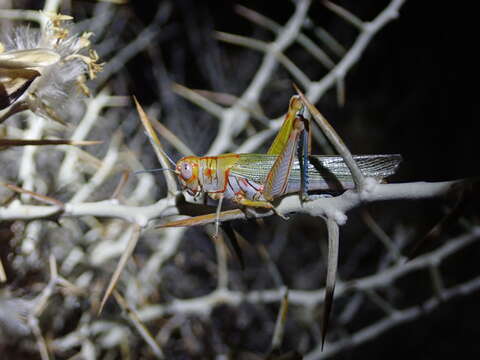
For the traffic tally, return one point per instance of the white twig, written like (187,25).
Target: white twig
(199,100)
(302,39)
(335,207)
(353,55)
(67,173)
(309,299)
(121,264)
(101,175)
(24,15)
(297,74)
(397,318)
(235,117)
(344,14)
(142,330)
(279,330)
(332,264)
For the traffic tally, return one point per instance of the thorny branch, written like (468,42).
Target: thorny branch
(94,228)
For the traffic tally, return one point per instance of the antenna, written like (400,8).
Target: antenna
(168,157)
(160,149)
(154,170)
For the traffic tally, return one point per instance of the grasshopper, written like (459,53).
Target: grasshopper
(255,180)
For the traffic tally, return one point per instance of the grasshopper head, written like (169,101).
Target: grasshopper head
(187,171)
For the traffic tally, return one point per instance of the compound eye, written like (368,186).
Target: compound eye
(186,171)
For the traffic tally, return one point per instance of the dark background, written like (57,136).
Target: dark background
(413,92)
(415,81)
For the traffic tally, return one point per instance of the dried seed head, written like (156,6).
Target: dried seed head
(42,69)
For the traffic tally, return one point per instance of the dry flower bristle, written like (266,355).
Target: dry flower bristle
(62,60)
